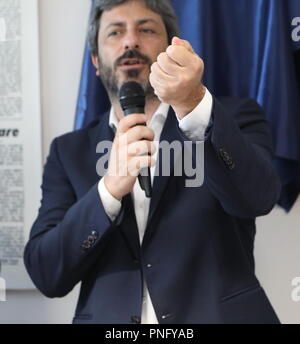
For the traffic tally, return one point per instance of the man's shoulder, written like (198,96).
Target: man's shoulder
(78,134)
(237,102)
(238,108)
(77,141)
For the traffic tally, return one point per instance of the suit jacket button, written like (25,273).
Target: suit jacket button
(135,319)
(91,240)
(231,166)
(222,152)
(166,316)
(85,246)
(94,234)
(227,158)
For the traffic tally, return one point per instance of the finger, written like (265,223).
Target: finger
(159,79)
(141,148)
(167,64)
(183,43)
(130,121)
(157,85)
(161,74)
(137,133)
(161,89)
(137,163)
(180,55)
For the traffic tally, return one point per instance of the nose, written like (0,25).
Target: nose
(131,40)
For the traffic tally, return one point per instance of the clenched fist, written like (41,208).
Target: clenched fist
(176,77)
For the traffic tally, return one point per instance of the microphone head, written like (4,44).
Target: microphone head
(132,97)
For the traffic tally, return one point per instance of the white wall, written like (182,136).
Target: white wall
(62,29)
(278,259)
(63,26)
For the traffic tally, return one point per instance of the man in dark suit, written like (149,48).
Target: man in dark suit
(186,255)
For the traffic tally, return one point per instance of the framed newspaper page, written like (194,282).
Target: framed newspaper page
(20,135)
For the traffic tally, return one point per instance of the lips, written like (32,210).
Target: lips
(131,63)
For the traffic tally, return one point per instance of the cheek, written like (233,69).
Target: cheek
(160,49)
(108,53)
(107,62)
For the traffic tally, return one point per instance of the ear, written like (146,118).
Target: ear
(95,61)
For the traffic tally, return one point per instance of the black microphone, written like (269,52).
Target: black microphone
(132,100)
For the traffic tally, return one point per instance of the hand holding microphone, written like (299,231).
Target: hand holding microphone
(131,148)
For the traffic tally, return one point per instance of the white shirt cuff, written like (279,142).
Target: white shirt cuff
(111,205)
(194,124)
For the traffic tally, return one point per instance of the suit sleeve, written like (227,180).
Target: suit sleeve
(238,159)
(69,235)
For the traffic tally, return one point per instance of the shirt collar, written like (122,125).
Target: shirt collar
(160,115)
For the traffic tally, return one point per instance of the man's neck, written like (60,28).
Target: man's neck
(150,108)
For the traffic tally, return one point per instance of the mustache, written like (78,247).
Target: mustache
(133,54)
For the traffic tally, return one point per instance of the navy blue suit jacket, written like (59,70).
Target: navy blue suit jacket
(197,252)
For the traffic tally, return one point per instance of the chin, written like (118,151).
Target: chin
(137,75)
(139,80)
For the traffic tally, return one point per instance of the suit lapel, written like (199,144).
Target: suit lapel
(99,133)
(170,133)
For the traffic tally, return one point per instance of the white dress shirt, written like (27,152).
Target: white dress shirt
(193,126)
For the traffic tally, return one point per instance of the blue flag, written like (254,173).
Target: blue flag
(251,49)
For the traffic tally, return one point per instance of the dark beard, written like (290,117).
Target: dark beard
(110,81)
